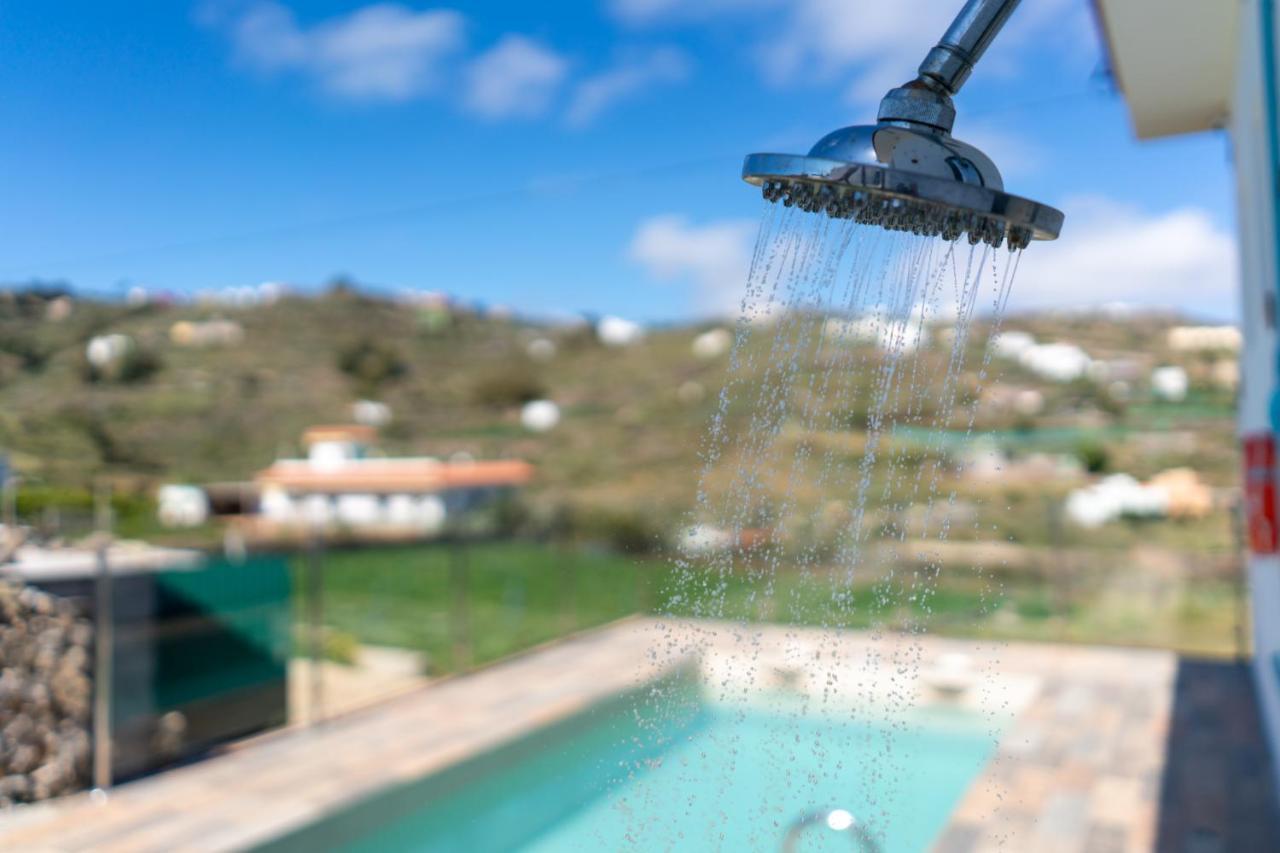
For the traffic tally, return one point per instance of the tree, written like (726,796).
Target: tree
(371,363)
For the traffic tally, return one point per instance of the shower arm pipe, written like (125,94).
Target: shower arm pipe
(949,64)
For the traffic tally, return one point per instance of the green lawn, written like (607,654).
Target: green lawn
(516,595)
(467,606)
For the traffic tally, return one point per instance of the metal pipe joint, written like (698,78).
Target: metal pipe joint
(949,64)
(926,101)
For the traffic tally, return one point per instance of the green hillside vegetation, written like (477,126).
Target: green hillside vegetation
(630,439)
(622,467)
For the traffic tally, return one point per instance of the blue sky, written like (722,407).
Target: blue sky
(554,157)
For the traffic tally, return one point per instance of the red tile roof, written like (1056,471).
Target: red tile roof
(340,432)
(394,475)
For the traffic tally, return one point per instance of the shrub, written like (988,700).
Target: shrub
(336,646)
(628,531)
(137,365)
(341,647)
(29,352)
(1094,456)
(512,386)
(33,502)
(371,363)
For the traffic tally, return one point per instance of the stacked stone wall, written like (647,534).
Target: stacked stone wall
(46,695)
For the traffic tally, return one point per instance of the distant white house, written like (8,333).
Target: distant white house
(371,413)
(1170,383)
(182,506)
(339,485)
(712,343)
(207,333)
(1205,339)
(1011,344)
(1114,497)
(540,416)
(1225,373)
(1058,362)
(104,350)
(59,309)
(245,296)
(1176,493)
(541,349)
(617,332)
(895,335)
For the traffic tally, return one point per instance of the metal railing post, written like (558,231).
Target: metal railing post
(315,629)
(569,594)
(460,605)
(104,648)
(9,485)
(103,514)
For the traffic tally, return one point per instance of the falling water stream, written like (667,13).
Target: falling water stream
(847,332)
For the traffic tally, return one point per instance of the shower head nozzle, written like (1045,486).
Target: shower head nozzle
(903,179)
(906,172)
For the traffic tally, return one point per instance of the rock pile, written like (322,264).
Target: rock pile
(46,693)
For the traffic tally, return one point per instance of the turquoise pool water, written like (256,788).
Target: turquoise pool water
(689,777)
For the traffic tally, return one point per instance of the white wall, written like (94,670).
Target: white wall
(424,513)
(331,454)
(277,506)
(1259,287)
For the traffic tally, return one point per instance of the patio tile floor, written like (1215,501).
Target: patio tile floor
(1108,749)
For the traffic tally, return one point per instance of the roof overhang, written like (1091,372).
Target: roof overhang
(1175,61)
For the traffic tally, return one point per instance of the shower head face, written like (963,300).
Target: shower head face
(904,178)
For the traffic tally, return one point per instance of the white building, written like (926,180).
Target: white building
(895,335)
(1205,339)
(1192,65)
(617,332)
(1170,383)
(206,333)
(712,344)
(102,351)
(1057,362)
(182,506)
(1011,344)
(339,485)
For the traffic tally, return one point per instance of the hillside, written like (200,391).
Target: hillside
(634,420)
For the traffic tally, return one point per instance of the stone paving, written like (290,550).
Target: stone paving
(1125,750)
(1080,767)
(1217,790)
(1107,749)
(274,784)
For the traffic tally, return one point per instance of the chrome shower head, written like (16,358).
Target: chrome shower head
(904,180)
(906,172)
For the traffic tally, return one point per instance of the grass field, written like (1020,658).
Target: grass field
(514,595)
(469,605)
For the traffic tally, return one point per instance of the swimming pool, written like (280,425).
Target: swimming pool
(682,773)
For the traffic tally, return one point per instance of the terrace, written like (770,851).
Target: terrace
(1173,754)
(936,518)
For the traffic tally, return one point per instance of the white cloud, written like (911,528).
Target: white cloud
(383,51)
(517,77)
(1108,254)
(661,11)
(877,44)
(1112,253)
(596,94)
(715,256)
